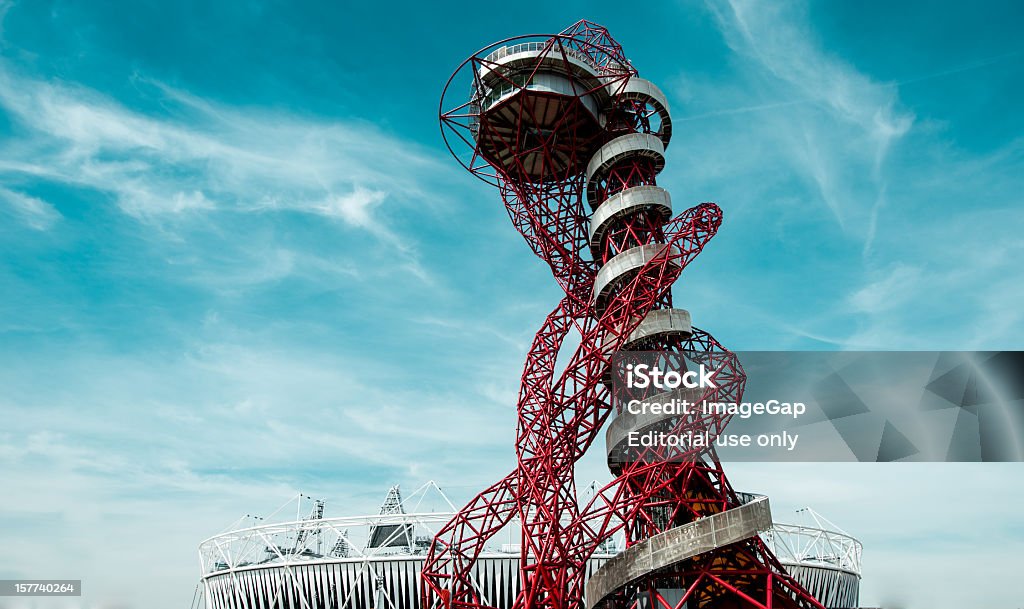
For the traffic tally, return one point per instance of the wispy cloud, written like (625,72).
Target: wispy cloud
(35,213)
(866,216)
(848,122)
(192,156)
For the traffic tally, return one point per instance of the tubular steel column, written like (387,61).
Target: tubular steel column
(574,140)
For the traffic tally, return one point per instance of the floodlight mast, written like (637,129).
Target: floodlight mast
(557,122)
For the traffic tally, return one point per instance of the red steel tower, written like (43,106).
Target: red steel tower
(574,140)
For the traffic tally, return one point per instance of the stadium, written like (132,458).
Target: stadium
(374,561)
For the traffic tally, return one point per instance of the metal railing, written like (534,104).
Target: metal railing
(678,544)
(530,47)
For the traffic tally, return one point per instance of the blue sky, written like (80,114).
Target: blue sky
(236,261)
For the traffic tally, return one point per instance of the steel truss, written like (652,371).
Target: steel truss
(556,122)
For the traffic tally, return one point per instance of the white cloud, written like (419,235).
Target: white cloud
(355,207)
(35,213)
(839,128)
(135,199)
(880,229)
(196,157)
(891,291)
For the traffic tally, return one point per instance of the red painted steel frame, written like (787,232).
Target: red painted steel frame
(560,414)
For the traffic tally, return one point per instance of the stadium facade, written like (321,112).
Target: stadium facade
(375,561)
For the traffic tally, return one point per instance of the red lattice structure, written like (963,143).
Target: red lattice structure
(574,140)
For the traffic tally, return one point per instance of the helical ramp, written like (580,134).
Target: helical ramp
(574,140)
